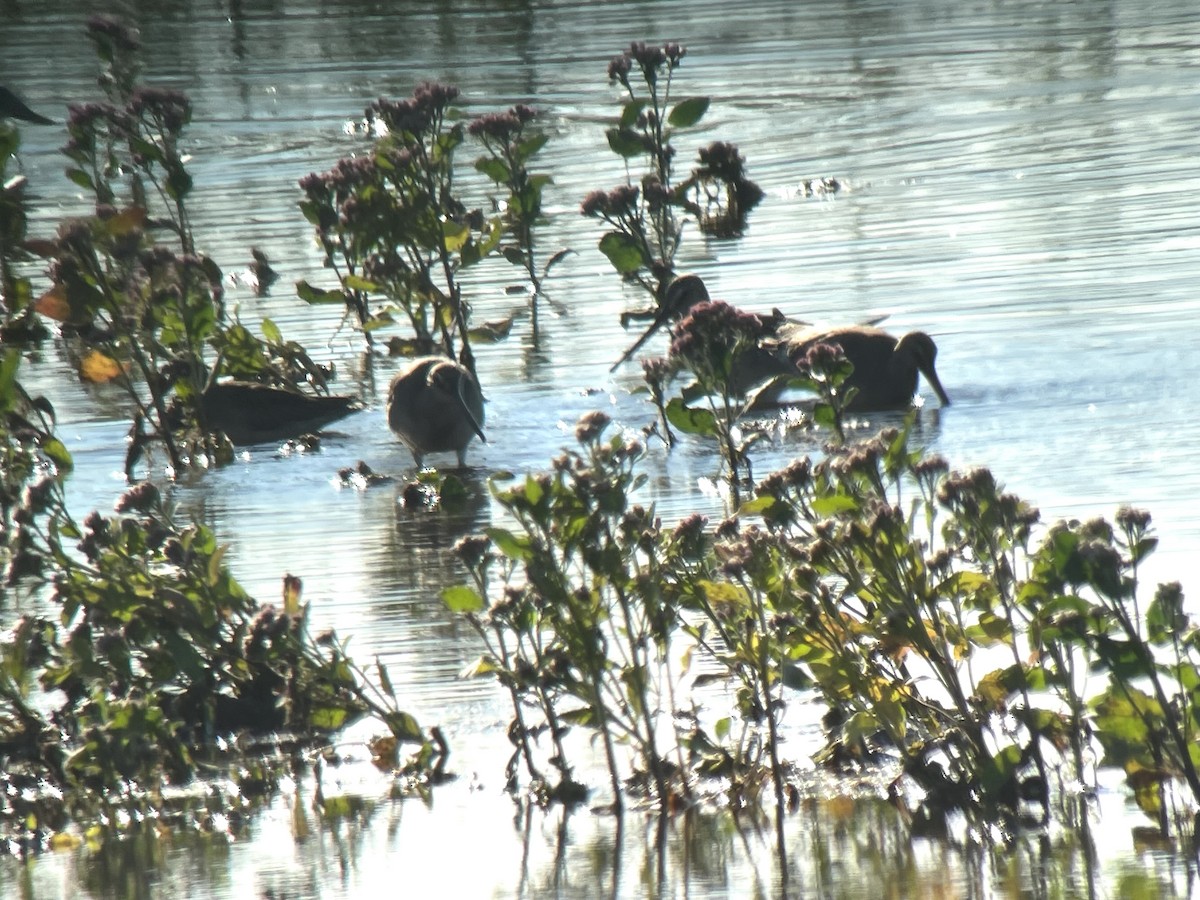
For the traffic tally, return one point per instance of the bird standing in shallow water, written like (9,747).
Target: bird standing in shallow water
(252,413)
(885,369)
(434,406)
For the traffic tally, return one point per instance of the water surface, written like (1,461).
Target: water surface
(1020,183)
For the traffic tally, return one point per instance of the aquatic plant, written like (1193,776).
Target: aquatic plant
(911,600)
(579,632)
(713,343)
(392,223)
(154,655)
(139,305)
(510,140)
(646,214)
(18,320)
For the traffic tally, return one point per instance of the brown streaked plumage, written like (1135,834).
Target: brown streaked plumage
(885,368)
(253,413)
(435,406)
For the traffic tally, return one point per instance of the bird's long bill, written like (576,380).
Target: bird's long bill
(659,320)
(462,401)
(931,376)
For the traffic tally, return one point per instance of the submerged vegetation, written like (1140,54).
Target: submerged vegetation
(988,666)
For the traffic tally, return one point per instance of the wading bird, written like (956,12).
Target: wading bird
(885,368)
(686,292)
(253,413)
(11,107)
(434,406)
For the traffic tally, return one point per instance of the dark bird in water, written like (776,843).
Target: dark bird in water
(684,293)
(885,368)
(252,413)
(11,107)
(435,406)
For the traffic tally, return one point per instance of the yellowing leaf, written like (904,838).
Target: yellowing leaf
(126,221)
(99,368)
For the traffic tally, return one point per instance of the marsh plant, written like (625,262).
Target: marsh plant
(18,319)
(728,356)
(576,632)
(139,305)
(510,140)
(150,657)
(396,228)
(646,214)
(989,672)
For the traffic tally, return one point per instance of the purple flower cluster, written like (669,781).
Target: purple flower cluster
(172,108)
(723,161)
(423,110)
(714,329)
(114,32)
(650,59)
(618,203)
(502,126)
(591,425)
(339,183)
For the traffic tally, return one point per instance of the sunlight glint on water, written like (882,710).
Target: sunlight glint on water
(1020,183)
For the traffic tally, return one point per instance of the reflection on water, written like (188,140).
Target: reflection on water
(845,846)
(1021,181)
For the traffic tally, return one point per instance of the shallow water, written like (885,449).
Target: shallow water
(1021,182)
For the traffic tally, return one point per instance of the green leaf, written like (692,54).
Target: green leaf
(404,727)
(999,771)
(493,168)
(511,545)
(384,680)
(833,505)
(271,332)
(690,420)
(58,453)
(358,283)
(688,112)
(81,178)
(455,235)
(10,361)
(462,599)
(555,260)
(327,718)
(622,251)
(723,593)
(310,294)
(532,145)
(483,666)
(179,183)
(630,113)
(626,144)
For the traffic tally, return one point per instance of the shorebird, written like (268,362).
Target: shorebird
(885,368)
(684,293)
(11,107)
(252,413)
(434,405)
